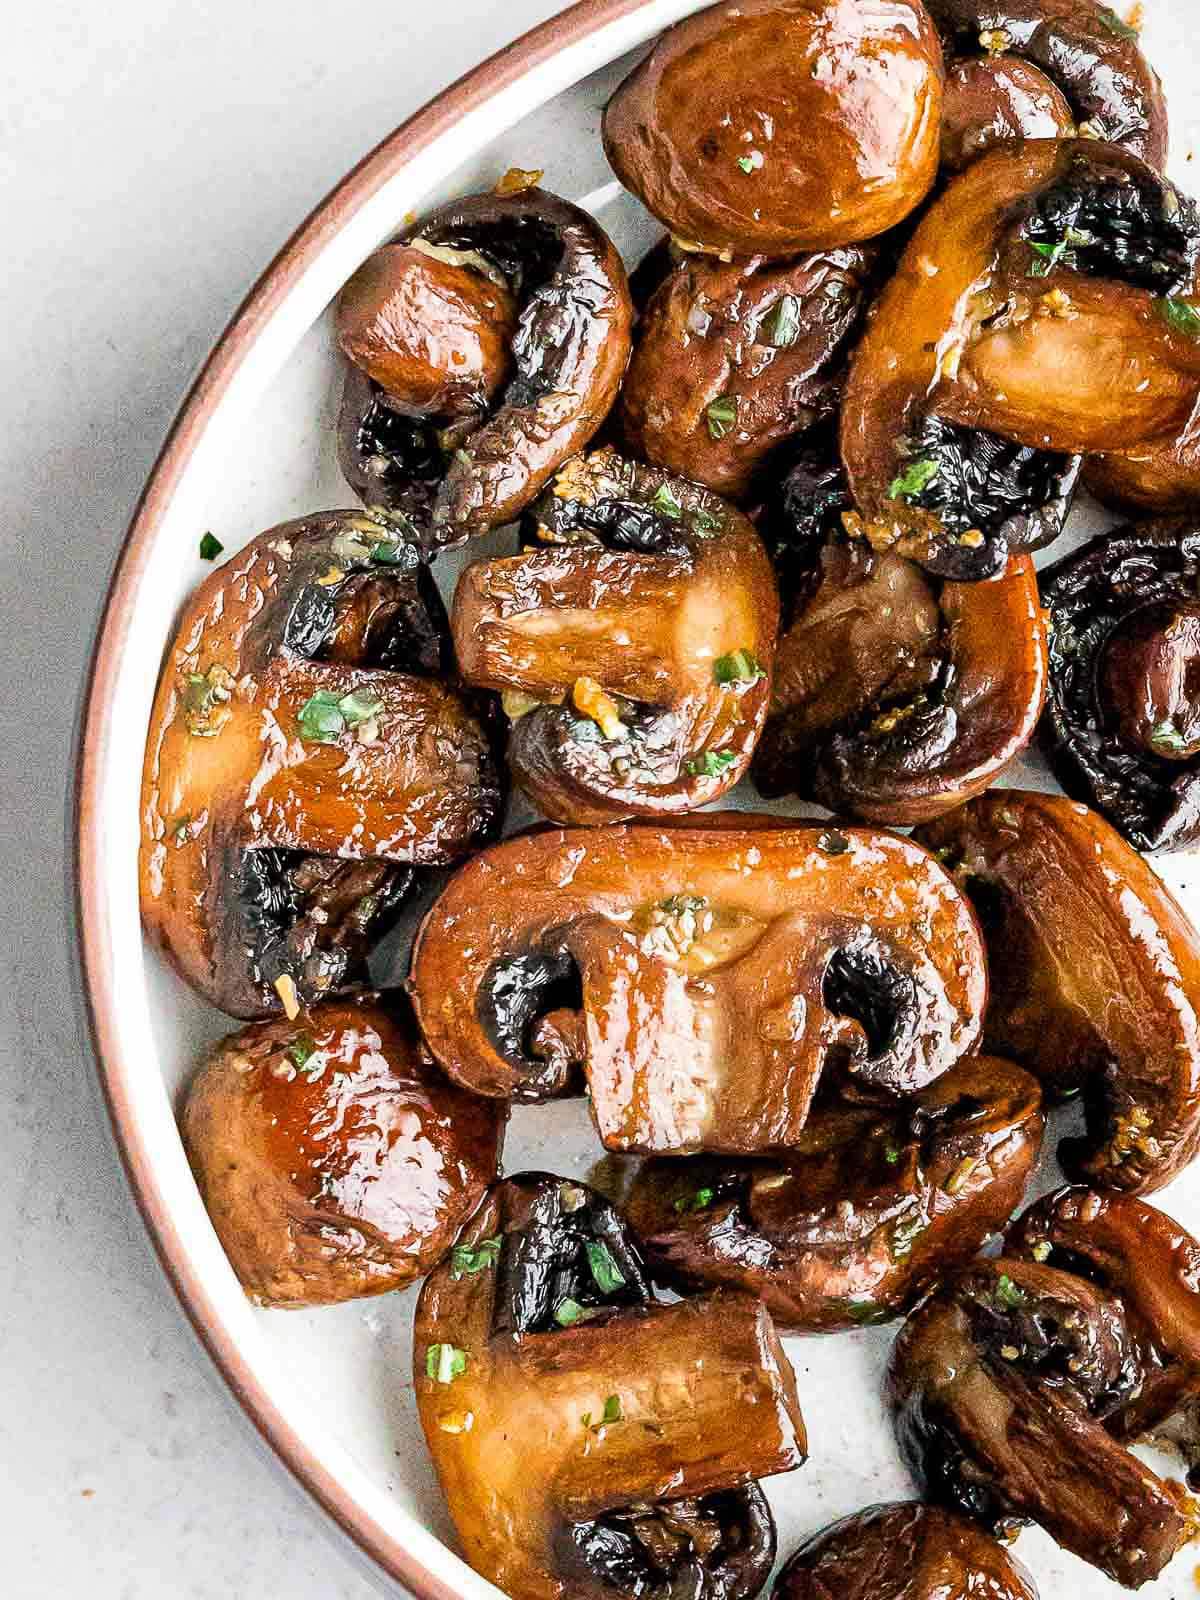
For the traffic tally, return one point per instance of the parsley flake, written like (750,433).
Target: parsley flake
(1007,1293)
(604,1269)
(210,547)
(665,503)
(443,1363)
(1116,24)
(740,666)
(711,764)
(781,326)
(1166,736)
(1182,316)
(325,716)
(915,479)
(301,1051)
(466,1262)
(721,414)
(700,1201)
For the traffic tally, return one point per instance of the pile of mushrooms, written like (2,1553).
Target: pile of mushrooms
(767,509)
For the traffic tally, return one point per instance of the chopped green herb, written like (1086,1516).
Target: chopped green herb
(704,524)
(1007,1293)
(206,697)
(740,666)
(360,705)
(891,1154)
(210,547)
(721,414)
(1182,316)
(915,478)
(700,1201)
(181,828)
(904,1235)
(1042,1250)
(834,843)
(466,1262)
(676,904)
(1166,736)
(665,503)
(301,1051)
(781,325)
(1116,24)
(612,1409)
(392,553)
(325,716)
(604,1269)
(746,163)
(864,1314)
(711,764)
(569,1312)
(443,1363)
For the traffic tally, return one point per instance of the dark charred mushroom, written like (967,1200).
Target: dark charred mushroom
(1002,1386)
(1162,479)
(730,361)
(1122,724)
(1037,301)
(1095,978)
(301,761)
(1069,63)
(334,1158)
(902,1552)
(874,1205)
(1147,1259)
(723,968)
(590,1441)
(633,643)
(451,424)
(775,126)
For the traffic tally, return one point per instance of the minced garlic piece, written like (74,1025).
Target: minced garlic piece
(285,988)
(518,179)
(593,702)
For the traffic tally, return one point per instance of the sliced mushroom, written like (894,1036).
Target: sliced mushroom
(301,761)
(893,702)
(902,1551)
(1162,478)
(874,1205)
(1122,725)
(1002,1383)
(773,126)
(588,1439)
(633,644)
(719,971)
(1035,302)
(334,1158)
(1095,978)
(487,347)
(1072,61)
(1148,1260)
(731,361)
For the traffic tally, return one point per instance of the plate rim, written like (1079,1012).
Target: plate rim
(93,965)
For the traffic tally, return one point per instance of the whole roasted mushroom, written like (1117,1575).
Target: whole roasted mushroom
(773,126)
(1147,1259)
(302,759)
(334,1158)
(895,695)
(732,360)
(591,1441)
(486,346)
(1036,69)
(633,643)
(1095,978)
(903,1551)
(1038,301)
(706,978)
(873,1206)
(1122,724)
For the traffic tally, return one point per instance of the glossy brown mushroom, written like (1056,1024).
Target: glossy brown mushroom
(896,697)
(1147,1259)
(589,1440)
(706,977)
(301,760)
(732,360)
(1003,1384)
(1035,303)
(902,1551)
(1095,978)
(1162,479)
(334,1158)
(992,99)
(1050,57)
(633,643)
(872,1208)
(773,126)
(1121,727)
(441,464)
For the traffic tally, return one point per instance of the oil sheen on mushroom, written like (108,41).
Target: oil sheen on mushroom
(874,1205)
(1038,69)
(1095,978)
(302,759)
(1122,724)
(721,970)
(733,360)
(902,1551)
(1008,1388)
(773,126)
(632,643)
(1042,299)
(590,1440)
(486,347)
(335,1160)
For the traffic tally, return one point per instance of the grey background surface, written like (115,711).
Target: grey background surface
(153,157)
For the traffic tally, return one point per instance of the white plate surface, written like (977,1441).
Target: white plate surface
(341,1376)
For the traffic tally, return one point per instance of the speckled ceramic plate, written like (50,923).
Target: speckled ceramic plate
(254,445)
